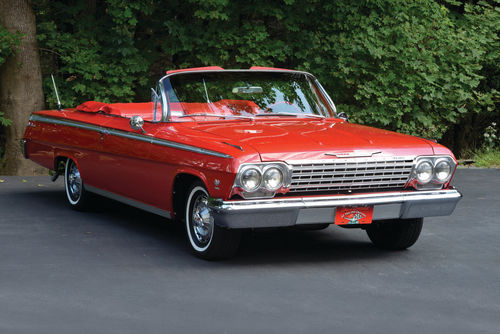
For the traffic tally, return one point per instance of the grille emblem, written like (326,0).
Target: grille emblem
(353,154)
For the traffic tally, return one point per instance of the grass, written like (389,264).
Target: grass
(489,158)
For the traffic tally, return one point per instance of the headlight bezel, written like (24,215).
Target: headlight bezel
(434,182)
(261,191)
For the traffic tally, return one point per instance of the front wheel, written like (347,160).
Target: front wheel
(395,234)
(206,239)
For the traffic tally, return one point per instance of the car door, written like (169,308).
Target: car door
(125,161)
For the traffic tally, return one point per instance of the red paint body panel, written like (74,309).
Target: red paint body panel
(279,139)
(145,169)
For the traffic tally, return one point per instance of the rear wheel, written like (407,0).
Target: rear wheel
(206,239)
(395,234)
(78,197)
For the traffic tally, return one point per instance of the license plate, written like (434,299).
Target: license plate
(353,215)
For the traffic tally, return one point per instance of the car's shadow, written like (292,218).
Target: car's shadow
(258,247)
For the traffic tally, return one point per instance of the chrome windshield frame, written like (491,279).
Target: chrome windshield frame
(166,105)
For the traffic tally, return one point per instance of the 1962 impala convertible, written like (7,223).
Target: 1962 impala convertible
(227,150)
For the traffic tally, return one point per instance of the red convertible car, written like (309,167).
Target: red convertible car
(226,150)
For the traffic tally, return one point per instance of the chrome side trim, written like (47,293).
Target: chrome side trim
(336,200)
(59,121)
(129,201)
(129,135)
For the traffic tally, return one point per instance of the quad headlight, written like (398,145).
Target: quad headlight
(443,170)
(273,178)
(250,179)
(433,171)
(424,171)
(261,180)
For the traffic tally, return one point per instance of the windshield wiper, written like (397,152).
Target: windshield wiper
(289,114)
(216,115)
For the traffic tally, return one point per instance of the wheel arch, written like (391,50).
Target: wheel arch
(62,156)
(60,163)
(182,182)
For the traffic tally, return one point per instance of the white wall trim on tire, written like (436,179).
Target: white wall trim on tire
(188,221)
(72,202)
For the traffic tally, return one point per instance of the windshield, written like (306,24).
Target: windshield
(245,94)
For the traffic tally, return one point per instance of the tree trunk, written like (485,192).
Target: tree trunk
(20,85)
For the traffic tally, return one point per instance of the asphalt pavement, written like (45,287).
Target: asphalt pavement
(117,269)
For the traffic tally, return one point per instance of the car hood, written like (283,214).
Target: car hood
(297,139)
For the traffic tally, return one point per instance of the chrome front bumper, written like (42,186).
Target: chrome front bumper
(277,212)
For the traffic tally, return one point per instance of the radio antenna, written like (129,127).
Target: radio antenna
(59,107)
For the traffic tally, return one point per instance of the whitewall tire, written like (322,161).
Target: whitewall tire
(76,194)
(205,238)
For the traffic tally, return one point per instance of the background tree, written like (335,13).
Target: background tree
(20,83)
(423,67)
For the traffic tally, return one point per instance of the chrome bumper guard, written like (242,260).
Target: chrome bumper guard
(291,211)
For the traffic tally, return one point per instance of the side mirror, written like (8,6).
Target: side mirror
(343,115)
(136,123)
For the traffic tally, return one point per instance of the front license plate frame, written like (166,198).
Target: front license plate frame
(354,215)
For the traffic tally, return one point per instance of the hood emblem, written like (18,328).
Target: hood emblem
(353,154)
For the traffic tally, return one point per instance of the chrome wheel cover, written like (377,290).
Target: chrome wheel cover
(74,182)
(202,221)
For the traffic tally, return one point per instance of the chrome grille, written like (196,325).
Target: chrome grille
(350,174)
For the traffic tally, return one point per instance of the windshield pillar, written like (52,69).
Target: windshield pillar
(327,97)
(164,105)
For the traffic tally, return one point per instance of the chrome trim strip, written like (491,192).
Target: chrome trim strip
(75,124)
(129,201)
(236,70)
(352,154)
(351,160)
(328,98)
(334,201)
(233,145)
(129,135)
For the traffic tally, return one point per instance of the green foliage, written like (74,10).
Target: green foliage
(4,121)
(487,157)
(95,55)
(491,136)
(413,66)
(8,46)
(404,66)
(8,43)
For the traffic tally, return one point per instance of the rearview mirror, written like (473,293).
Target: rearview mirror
(247,90)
